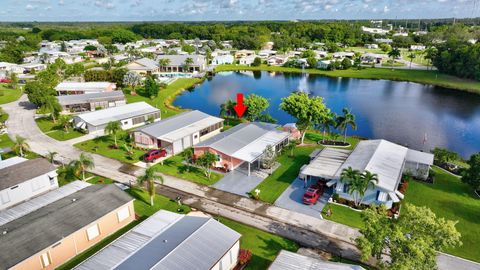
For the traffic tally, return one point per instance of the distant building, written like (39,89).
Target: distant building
(264,54)
(287,260)
(222,60)
(372,58)
(23,179)
(130,116)
(384,40)
(178,132)
(178,63)
(378,31)
(92,102)
(78,88)
(277,60)
(170,241)
(247,60)
(324,64)
(51,235)
(417,47)
(371,46)
(143,66)
(243,53)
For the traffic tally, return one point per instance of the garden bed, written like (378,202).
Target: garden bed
(334,143)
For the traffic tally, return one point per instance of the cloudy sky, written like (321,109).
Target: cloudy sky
(179,10)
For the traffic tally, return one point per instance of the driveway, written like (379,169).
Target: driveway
(237,182)
(292,198)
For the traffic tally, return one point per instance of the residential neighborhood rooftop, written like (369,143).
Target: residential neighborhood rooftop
(167,240)
(83,86)
(23,171)
(178,126)
(91,97)
(326,163)
(287,260)
(246,141)
(104,116)
(44,227)
(179,60)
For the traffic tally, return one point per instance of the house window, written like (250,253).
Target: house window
(138,120)
(93,232)
(45,259)
(219,157)
(195,136)
(123,214)
(125,123)
(345,188)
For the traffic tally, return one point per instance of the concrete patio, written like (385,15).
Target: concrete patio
(238,182)
(292,199)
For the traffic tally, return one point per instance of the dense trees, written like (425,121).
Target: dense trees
(471,175)
(458,58)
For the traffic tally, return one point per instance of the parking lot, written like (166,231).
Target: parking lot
(292,199)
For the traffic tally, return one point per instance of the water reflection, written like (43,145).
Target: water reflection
(398,111)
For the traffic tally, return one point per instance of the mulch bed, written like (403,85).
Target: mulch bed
(333,143)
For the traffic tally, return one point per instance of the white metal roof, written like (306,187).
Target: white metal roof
(119,113)
(166,240)
(90,97)
(419,157)
(381,157)
(84,86)
(326,163)
(11,161)
(246,141)
(176,127)
(36,203)
(287,260)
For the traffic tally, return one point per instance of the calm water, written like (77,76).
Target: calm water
(401,112)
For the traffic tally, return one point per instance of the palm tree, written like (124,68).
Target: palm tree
(51,156)
(290,147)
(188,63)
(345,120)
(150,177)
(367,180)
(351,177)
(52,105)
(163,63)
(187,155)
(84,163)
(394,53)
(226,109)
(112,128)
(65,122)
(20,145)
(327,122)
(411,56)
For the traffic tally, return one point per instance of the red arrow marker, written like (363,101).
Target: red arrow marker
(240,108)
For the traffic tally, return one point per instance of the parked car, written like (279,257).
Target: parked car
(5,81)
(311,196)
(153,155)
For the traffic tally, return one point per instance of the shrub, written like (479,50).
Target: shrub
(244,257)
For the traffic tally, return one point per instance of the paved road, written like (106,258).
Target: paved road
(333,237)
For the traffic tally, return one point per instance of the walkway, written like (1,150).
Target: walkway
(333,237)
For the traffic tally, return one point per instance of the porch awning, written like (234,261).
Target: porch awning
(399,194)
(394,197)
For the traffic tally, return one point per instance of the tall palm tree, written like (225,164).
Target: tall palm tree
(150,177)
(84,163)
(20,145)
(394,53)
(112,128)
(52,105)
(345,120)
(188,63)
(51,156)
(327,122)
(163,63)
(411,56)
(367,180)
(351,177)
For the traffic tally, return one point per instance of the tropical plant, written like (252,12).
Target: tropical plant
(187,155)
(150,177)
(20,145)
(327,122)
(269,157)
(82,164)
(187,64)
(51,105)
(442,155)
(394,54)
(292,144)
(128,150)
(163,63)
(65,122)
(255,106)
(471,176)
(359,186)
(132,79)
(112,128)
(51,156)
(345,120)
(411,56)
(226,109)
(206,162)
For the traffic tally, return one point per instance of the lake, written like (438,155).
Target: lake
(401,112)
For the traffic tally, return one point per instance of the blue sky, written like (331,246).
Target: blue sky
(176,10)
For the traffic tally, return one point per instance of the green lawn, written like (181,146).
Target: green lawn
(103,146)
(8,95)
(5,141)
(389,63)
(142,209)
(55,131)
(451,199)
(343,215)
(174,166)
(274,185)
(166,96)
(418,76)
(263,245)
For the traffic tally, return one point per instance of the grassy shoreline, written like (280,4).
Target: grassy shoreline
(417,76)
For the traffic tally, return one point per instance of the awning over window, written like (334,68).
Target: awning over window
(394,197)
(331,183)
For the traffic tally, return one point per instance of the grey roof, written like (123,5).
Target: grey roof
(167,240)
(38,202)
(84,86)
(246,141)
(93,97)
(419,157)
(287,260)
(104,116)
(24,171)
(44,227)
(179,60)
(326,163)
(147,63)
(382,157)
(11,161)
(180,125)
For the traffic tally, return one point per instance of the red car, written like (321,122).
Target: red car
(152,155)
(5,81)
(311,196)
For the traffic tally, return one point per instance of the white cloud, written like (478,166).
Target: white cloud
(29,7)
